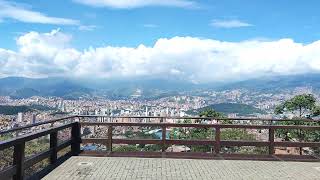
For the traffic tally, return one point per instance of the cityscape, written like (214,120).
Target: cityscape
(159,89)
(39,109)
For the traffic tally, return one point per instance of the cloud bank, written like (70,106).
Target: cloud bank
(130,4)
(20,13)
(184,58)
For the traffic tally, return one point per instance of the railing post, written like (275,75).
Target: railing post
(76,139)
(271,141)
(164,136)
(53,147)
(217,145)
(18,160)
(109,143)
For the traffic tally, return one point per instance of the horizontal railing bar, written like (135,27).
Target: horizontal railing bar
(8,172)
(201,142)
(64,144)
(136,141)
(149,117)
(48,169)
(35,124)
(268,126)
(207,118)
(121,141)
(94,140)
(243,126)
(11,142)
(37,158)
(244,143)
(189,142)
(121,124)
(296,144)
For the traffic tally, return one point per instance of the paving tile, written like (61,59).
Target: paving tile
(117,168)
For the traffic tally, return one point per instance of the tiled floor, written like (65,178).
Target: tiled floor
(153,168)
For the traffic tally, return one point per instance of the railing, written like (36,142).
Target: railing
(216,143)
(20,162)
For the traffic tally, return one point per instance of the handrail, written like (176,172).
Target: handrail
(198,118)
(35,124)
(244,126)
(20,162)
(148,117)
(216,142)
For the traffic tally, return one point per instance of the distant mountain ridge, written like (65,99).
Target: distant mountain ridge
(276,83)
(20,87)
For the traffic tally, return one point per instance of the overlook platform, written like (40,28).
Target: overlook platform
(64,155)
(80,167)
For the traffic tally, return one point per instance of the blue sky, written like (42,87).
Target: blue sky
(272,19)
(195,40)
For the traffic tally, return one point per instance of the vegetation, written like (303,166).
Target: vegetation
(208,133)
(13,110)
(126,148)
(304,105)
(227,108)
(301,106)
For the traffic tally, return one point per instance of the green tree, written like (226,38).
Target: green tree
(301,106)
(209,133)
(304,105)
(126,148)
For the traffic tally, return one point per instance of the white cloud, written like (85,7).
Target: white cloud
(21,13)
(187,58)
(150,25)
(87,27)
(129,4)
(229,23)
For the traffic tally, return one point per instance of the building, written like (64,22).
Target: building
(20,117)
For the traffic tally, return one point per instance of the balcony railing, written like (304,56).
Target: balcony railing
(109,124)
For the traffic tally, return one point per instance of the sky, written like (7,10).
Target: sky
(194,40)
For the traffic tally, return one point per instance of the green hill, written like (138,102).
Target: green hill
(227,108)
(13,110)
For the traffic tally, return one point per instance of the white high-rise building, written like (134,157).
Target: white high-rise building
(146,113)
(20,117)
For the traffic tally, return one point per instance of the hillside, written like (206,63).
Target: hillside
(13,110)
(276,83)
(20,87)
(228,108)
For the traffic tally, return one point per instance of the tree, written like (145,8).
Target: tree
(304,104)
(301,106)
(211,113)
(208,133)
(126,148)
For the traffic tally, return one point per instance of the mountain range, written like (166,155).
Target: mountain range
(21,87)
